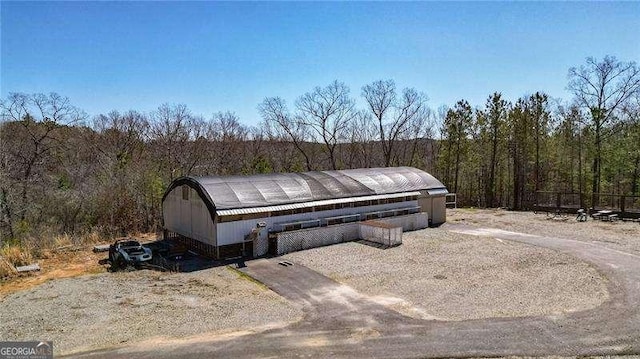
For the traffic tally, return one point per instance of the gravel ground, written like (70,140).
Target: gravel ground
(101,310)
(620,235)
(436,274)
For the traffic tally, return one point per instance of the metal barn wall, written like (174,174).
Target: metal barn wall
(438,210)
(190,218)
(234,232)
(387,236)
(435,207)
(425,203)
(410,222)
(316,237)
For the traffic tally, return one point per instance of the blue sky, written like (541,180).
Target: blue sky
(219,56)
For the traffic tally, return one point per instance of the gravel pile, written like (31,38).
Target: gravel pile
(111,308)
(620,235)
(436,274)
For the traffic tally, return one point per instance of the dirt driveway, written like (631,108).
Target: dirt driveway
(341,322)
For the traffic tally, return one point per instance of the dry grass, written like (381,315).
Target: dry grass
(58,265)
(60,256)
(6,268)
(16,255)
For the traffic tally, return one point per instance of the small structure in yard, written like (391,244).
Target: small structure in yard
(28,268)
(229,216)
(386,234)
(608,207)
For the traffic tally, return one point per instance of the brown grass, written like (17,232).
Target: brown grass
(16,255)
(6,268)
(58,265)
(60,256)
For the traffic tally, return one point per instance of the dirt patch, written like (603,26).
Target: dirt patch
(55,265)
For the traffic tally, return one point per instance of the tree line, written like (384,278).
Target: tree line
(62,171)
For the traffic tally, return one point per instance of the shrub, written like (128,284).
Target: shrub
(16,255)
(6,269)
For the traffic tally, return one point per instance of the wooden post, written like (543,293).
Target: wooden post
(622,203)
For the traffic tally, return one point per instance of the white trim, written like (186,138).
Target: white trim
(231,212)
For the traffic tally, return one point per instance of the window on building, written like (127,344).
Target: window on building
(370,216)
(327,207)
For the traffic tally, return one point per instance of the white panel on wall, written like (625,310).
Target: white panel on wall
(410,222)
(190,218)
(389,236)
(234,232)
(439,210)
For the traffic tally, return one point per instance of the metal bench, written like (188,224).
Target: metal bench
(606,215)
(582,215)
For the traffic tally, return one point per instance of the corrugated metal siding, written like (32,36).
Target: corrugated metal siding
(234,232)
(189,218)
(386,236)
(231,212)
(409,222)
(231,192)
(439,210)
(316,237)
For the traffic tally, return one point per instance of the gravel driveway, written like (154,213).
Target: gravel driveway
(363,330)
(619,235)
(107,309)
(436,274)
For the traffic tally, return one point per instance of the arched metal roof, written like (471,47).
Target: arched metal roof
(230,192)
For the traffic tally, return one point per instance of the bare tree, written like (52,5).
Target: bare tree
(31,134)
(361,147)
(604,88)
(392,114)
(414,138)
(119,145)
(119,137)
(175,132)
(229,137)
(633,111)
(280,123)
(327,111)
(258,159)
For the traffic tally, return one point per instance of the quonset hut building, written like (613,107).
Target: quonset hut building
(223,216)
